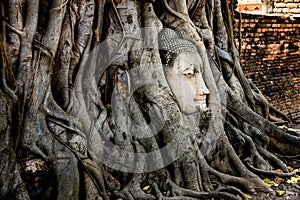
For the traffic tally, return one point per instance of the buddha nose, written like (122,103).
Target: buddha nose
(201,94)
(202,89)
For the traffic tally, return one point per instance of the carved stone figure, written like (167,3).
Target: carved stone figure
(88,112)
(183,71)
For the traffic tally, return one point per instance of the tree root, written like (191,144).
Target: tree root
(290,160)
(176,190)
(252,151)
(133,190)
(82,113)
(284,141)
(273,158)
(266,105)
(248,181)
(231,189)
(269,173)
(3,72)
(96,176)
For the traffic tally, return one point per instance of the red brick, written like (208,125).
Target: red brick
(292,5)
(262,51)
(277,10)
(276,25)
(279,5)
(295,10)
(285,10)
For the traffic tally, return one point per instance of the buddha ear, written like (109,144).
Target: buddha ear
(163,53)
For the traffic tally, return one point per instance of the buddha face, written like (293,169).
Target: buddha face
(186,82)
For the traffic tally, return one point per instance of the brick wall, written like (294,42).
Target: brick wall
(286,6)
(270,56)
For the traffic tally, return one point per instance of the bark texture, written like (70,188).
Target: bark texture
(87,113)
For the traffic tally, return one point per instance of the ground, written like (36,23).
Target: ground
(284,191)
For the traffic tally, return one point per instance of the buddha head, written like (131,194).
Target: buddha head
(183,68)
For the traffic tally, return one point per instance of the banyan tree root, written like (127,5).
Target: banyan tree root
(63,90)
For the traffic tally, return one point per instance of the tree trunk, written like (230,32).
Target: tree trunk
(88,110)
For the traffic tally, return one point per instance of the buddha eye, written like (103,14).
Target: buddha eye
(189,72)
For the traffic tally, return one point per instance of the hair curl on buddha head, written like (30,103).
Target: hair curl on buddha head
(171,45)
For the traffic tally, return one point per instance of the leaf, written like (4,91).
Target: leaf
(278,180)
(290,168)
(247,196)
(146,188)
(296,170)
(280,192)
(268,182)
(293,180)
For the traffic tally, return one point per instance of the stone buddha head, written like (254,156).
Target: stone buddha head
(183,69)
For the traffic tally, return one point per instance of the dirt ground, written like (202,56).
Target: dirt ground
(291,191)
